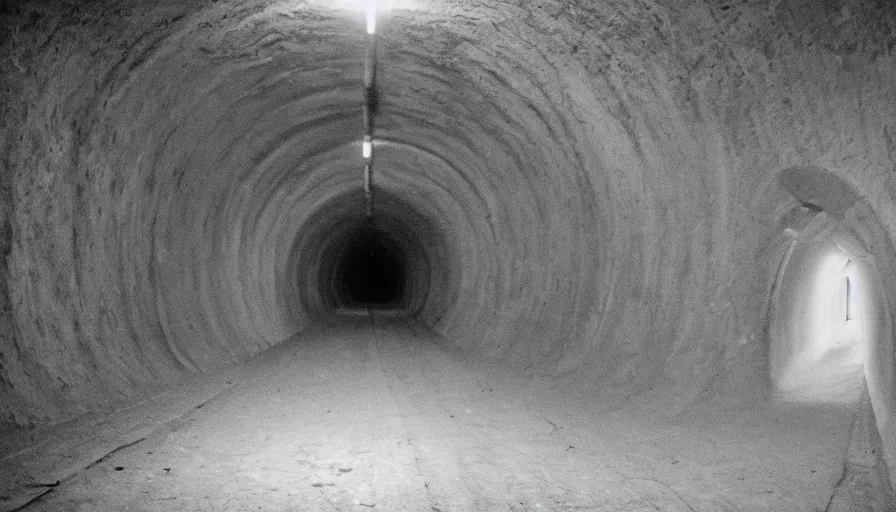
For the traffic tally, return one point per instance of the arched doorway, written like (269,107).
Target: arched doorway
(831,310)
(820,319)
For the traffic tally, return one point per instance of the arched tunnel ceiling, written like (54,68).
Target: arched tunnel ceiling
(593,183)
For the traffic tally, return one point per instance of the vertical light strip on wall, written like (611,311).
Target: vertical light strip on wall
(849,314)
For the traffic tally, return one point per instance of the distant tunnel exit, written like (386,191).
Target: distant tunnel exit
(817,352)
(372,272)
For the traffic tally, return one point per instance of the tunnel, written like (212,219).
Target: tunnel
(371,272)
(452,255)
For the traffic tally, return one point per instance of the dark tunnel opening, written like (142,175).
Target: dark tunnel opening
(372,272)
(343,261)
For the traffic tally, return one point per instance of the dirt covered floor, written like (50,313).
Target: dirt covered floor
(380,415)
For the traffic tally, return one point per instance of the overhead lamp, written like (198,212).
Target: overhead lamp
(367,147)
(370,11)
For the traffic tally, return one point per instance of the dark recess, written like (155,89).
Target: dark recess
(372,272)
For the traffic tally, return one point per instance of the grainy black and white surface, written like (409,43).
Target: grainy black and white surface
(605,212)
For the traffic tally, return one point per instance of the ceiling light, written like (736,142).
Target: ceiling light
(367,148)
(370,11)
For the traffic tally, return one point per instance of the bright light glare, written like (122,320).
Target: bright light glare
(827,356)
(382,6)
(367,148)
(830,303)
(370,10)
(373,10)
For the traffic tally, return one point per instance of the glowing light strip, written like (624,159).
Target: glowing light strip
(367,147)
(370,10)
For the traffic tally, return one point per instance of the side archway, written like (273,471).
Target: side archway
(832,304)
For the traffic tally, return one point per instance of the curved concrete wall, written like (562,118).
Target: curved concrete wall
(589,190)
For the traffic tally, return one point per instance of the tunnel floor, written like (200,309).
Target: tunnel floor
(381,415)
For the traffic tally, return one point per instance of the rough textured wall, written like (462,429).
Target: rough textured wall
(591,187)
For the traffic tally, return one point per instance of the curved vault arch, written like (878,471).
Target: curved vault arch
(832,236)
